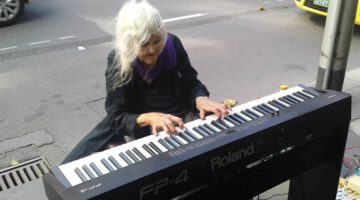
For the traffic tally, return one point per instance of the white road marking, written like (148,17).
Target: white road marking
(81,48)
(67,37)
(73,36)
(7,48)
(267,2)
(40,42)
(185,17)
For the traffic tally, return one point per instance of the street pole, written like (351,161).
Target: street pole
(336,42)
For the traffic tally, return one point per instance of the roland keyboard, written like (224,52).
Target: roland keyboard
(163,166)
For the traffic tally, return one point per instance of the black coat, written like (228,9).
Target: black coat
(121,109)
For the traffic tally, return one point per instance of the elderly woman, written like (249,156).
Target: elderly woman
(151,85)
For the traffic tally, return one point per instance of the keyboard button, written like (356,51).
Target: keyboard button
(107,165)
(199,131)
(88,171)
(138,153)
(132,156)
(81,175)
(165,144)
(114,162)
(96,169)
(153,146)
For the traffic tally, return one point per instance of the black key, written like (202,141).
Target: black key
(240,117)
(289,99)
(171,138)
(206,130)
(258,109)
(231,116)
(252,113)
(177,140)
(171,142)
(247,115)
(138,153)
(303,95)
(96,169)
(210,128)
(264,109)
(267,110)
(132,156)
(156,148)
(165,144)
(219,126)
(107,165)
(81,175)
(126,158)
(88,171)
(236,119)
(278,102)
(310,92)
(222,122)
(148,149)
(228,119)
(275,105)
(200,132)
(186,137)
(293,98)
(268,107)
(298,95)
(285,101)
(189,133)
(115,162)
(306,94)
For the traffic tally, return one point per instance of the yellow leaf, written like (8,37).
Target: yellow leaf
(14,162)
(230,102)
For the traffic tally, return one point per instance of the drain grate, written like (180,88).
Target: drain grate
(23,173)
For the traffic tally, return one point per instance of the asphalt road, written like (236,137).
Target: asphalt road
(52,62)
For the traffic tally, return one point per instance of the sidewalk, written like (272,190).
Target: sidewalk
(35,190)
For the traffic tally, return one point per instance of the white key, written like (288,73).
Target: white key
(274,108)
(256,112)
(120,160)
(198,136)
(96,160)
(160,136)
(83,172)
(295,97)
(228,123)
(93,172)
(307,94)
(69,173)
(283,103)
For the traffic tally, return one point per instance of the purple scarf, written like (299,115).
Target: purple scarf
(166,60)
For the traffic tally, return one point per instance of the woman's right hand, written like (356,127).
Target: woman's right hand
(160,121)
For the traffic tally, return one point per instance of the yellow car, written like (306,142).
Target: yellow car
(320,7)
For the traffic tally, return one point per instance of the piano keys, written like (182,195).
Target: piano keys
(215,143)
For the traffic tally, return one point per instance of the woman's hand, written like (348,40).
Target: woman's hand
(160,121)
(204,105)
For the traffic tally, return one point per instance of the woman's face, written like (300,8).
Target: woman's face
(150,51)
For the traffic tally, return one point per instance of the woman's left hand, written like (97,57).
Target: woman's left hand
(204,105)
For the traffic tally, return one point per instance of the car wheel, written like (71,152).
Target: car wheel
(10,11)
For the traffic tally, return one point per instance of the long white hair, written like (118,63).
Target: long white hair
(136,22)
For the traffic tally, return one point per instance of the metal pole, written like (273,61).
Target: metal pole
(336,42)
